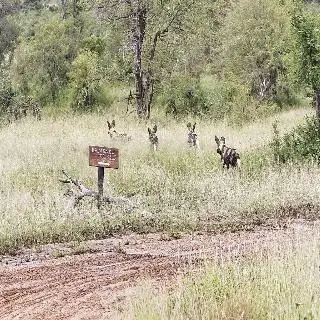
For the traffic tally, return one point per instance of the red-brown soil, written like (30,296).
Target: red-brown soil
(37,284)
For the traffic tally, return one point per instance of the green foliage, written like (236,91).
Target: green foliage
(8,36)
(6,94)
(219,94)
(94,44)
(307,25)
(117,56)
(255,54)
(256,39)
(185,96)
(42,62)
(303,143)
(84,81)
(33,4)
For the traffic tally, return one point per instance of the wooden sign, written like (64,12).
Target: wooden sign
(103,157)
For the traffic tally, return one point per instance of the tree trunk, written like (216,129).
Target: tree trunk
(317,103)
(64,9)
(143,79)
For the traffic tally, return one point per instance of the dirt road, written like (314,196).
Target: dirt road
(39,284)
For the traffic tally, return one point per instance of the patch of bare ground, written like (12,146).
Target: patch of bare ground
(92,280)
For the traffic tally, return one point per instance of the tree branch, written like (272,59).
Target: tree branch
(165,30)
(86,192)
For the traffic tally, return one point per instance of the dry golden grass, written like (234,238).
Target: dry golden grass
(174,189)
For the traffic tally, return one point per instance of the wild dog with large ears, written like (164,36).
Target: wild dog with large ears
(193,140)
(114,134)
(111,128)
(154,141)
(229,156)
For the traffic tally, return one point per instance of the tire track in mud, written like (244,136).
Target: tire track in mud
(35,292)
(93,285)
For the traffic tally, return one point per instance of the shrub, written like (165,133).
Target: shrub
(93,44)
(185,96)
(302,143)
(85,81)
(6,96)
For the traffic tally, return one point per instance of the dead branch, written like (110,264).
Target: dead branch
(83,191)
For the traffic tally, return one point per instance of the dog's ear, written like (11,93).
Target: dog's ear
(155,128)
(109,125)
(194,126)
(189,126)
(113,123)
(149,130)
(223,139)
(217,140)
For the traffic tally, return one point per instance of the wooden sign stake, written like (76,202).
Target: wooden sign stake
(102,158)
(100,185)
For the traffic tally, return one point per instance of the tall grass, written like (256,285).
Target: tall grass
(281,283)
(174,189)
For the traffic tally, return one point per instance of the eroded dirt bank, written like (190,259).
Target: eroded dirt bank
(37,284)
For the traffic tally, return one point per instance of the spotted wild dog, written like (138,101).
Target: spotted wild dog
(193,140)
(153,138)
(114,134)
(229,156)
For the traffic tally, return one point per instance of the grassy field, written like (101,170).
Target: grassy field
(174,190)
(280,283)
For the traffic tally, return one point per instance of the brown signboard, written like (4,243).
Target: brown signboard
(103,157)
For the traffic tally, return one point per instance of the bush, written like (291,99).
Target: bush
(6,95)
(185,96)
(215,99)
(93,44)
(256,46)
(85,81)
(303,143)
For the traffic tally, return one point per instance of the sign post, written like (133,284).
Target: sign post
(103,157)
(100,185)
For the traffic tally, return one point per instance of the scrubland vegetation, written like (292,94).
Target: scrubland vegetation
(175,190)
(280,283)
(247,70)
(223,59)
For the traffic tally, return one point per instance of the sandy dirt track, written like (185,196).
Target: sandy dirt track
(94,285)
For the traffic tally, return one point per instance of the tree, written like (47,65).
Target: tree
(41,62)
(8,36)
(255,39)
(85,74)
(148,23)
(308,37)
(8,31)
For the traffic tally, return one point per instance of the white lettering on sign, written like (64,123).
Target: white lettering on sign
(104,163)
(104,152)
(103,157)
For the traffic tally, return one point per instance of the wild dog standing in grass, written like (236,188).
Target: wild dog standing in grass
(114,134)
(153,138)
(229,156)
(193,140)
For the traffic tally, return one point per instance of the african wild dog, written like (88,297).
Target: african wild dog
(229,156)
(193,140)
(153,138)
(114,134)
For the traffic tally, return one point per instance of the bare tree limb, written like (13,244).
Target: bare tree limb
(86,192)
